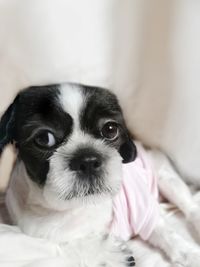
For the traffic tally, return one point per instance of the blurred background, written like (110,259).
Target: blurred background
(147,51)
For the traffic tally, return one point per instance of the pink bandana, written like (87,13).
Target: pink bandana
(135,208)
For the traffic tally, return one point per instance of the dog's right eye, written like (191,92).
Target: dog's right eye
(110,130)
(45,139)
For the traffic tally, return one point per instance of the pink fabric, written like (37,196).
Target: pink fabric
(135,208)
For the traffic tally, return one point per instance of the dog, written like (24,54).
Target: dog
(72,141)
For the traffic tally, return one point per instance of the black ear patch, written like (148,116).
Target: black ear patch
(128,151)
(7,125)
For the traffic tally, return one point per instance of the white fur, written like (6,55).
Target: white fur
(34,215)
(71,225)
(45,212)
(82,223)
(81,229)
(72,100)
(181,252)
(61,180)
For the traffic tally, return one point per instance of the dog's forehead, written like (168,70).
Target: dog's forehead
(82,103)
(86,103)
(38,99)
(39,105)
(72,100)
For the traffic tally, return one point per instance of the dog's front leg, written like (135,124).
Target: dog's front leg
(174,189)
(180,252)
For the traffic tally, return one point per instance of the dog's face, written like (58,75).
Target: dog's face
(71,138)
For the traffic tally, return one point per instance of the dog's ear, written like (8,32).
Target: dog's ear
(128,150)
(7,125)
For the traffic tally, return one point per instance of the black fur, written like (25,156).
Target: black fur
(38,107)
(7,125)
(35,108)
(102,103)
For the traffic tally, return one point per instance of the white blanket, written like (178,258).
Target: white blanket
(20,250)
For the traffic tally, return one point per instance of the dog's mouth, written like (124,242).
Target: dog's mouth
(90,192)
(93,185)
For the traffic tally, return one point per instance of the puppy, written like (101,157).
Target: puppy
(71,142)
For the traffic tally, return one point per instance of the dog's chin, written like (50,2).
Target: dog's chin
(81,193)
(92,197)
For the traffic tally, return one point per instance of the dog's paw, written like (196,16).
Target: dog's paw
(125,254)
(118,261)
(127,262)
(130,261)
(99,252)
(117,254)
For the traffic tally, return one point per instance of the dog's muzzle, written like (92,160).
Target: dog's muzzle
(87,163)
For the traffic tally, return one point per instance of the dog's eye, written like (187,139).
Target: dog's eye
(45,139)
(110,130)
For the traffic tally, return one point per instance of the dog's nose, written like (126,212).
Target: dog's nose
(86,164)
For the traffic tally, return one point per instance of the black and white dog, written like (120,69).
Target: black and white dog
(71,143)
(71,140)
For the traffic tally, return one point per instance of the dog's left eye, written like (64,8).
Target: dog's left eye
(110,130)
(45,139)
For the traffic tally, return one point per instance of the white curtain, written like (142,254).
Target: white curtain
(51,41)
(164,109)
(147,51)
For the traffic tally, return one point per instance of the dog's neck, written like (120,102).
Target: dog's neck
(29,210)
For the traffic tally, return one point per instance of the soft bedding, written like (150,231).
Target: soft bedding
(20,250)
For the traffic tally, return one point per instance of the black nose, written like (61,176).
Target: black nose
(86,163)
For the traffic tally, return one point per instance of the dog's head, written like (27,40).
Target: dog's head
(71,138)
